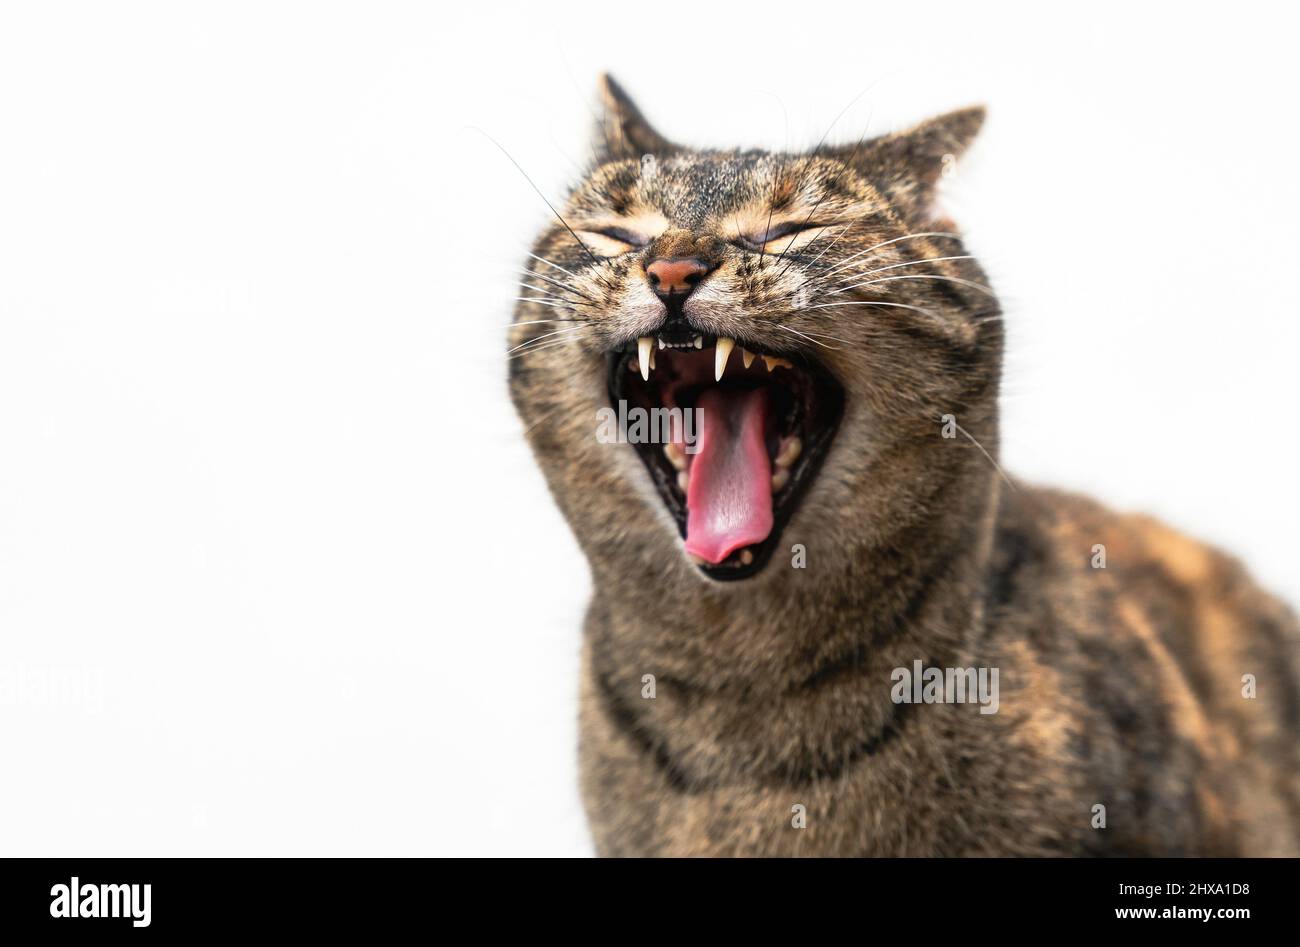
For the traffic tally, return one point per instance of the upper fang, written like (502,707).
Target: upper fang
(721,353)
(645,345)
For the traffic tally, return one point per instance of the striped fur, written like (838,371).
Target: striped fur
(1120,686)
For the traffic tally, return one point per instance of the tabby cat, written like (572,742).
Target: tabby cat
(787,605)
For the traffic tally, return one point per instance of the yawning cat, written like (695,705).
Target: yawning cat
(775,583)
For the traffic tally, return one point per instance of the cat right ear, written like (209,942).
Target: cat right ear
(907,165)
(623,131)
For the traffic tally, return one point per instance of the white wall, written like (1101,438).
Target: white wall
(277,574)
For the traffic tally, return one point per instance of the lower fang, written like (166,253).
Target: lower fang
(746,557)
(780,479)
(790,450)
(684,482)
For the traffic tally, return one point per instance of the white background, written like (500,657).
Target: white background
(277,574)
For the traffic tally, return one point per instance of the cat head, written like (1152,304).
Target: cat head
(723,354)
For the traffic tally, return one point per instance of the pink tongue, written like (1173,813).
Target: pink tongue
(729,503)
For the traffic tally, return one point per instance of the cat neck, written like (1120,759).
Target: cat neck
(919,594)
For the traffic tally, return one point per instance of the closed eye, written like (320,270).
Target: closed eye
(623,235)
(614,241)
(780,237)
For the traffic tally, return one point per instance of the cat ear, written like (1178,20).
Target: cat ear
(909,164)
(623,131)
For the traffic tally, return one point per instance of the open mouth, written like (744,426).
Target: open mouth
(732,437)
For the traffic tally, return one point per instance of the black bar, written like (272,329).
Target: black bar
(234,896)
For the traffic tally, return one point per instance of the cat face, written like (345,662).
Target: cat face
(798,324)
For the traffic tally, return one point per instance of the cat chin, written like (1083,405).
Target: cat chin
(733,435)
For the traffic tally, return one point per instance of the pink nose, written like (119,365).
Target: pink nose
(675,276)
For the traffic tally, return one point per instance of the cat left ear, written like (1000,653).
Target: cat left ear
(624,132)
(909,164)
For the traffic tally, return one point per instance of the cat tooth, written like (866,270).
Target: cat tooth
(774,362)
(746,557)
(769,361)
(675,455)
(789,453)
(699,341)
(644,346)
(780,478)
(662,343)
(684,482)
(747,356)
(722,353)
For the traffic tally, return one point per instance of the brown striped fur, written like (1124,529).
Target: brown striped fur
(1120,686)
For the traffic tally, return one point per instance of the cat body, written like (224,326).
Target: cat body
(1119,687)
(747,659)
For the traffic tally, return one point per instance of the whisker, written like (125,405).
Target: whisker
(776,178)
(849,227)
(599,276)
(841,228)
(543,294)
(539,322)
(837,177)
(895,266)
(852,102)
(820,335)
(986,454)
(545,302)
(808,337)
(542,259)
(911,236)
(927,312)
(554,343)
(595,261)
(533,341)
(556,283)
(546,417)
(564,223)
(935,276)
(839,174)
(548,297)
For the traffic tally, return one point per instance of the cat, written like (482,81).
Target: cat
(774,599)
